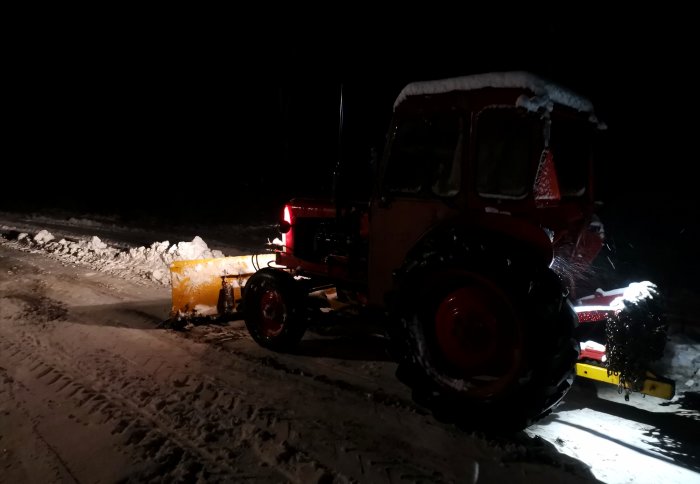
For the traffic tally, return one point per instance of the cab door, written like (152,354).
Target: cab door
(420,185)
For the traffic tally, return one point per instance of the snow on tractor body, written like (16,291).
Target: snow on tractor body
(480,218)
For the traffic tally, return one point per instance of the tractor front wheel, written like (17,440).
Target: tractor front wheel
(273,309)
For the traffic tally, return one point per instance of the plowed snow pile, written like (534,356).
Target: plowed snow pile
(142,262)
(681,362)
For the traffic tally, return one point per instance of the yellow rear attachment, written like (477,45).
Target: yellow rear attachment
(653,385)
(211,287)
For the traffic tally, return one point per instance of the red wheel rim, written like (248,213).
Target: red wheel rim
(480,336)
(273,312)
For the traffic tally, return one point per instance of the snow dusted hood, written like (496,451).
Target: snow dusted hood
(544,90)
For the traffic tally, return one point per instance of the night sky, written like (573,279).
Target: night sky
(225,121)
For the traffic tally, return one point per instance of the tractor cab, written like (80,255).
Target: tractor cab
(503,152)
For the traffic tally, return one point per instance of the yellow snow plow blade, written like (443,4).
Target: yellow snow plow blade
(654,386)
(208,287)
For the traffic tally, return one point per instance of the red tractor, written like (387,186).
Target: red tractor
(480,216)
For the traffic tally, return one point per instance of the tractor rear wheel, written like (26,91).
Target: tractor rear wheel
(490,345)
(273,309)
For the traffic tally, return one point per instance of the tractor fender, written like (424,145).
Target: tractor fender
(493,229)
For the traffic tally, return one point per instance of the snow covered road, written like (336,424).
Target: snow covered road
(91,390)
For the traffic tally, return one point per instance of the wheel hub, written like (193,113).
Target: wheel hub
(274,313)
(479,335)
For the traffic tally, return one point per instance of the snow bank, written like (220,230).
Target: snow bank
(151,263)
(681,362)
(43,237)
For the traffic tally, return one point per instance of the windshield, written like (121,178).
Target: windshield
(508,142)
(425,155)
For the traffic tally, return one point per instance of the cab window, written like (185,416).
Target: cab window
(507,141)
(425,156)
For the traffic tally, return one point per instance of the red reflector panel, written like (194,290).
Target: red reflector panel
(546,182)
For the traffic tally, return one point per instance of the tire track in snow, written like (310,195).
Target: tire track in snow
(8,399)
(191,428)
(222,336)
(364,464)
(253,436)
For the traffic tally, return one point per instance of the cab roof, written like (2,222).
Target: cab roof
(545,92)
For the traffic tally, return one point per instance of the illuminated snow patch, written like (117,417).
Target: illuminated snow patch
(618,450)
(634,293)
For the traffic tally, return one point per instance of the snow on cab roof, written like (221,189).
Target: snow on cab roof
(540,87)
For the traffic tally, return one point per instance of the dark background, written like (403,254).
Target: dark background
(111,115)
(220,121)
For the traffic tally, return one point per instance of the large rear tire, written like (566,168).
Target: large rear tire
(487,339)
(273,309)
